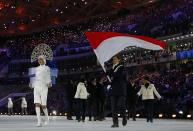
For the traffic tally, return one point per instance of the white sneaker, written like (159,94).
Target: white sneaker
(39,124)
(46,121)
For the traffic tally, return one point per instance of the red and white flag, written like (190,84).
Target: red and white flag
(108,44)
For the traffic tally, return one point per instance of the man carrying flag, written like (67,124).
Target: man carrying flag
(118,92)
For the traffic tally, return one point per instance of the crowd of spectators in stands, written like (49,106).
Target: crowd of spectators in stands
(156,20)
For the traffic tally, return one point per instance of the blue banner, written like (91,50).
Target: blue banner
(184,54)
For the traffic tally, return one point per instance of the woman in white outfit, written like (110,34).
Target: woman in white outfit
(81,97)
(23,106)
(10,107)
(41,84)
(147,91)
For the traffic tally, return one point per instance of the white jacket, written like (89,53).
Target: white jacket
(10,103)
(23,103)
(42,77)
(148,93)
(81,91)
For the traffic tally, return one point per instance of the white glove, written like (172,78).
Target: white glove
(30,85)
(49,85)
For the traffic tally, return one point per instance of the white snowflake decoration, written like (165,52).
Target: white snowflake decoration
(42,49)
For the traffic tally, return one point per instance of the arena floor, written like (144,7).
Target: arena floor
(27,123)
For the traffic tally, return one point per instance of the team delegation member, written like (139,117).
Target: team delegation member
(147,91)
(81,98)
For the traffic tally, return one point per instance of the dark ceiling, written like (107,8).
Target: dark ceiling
(24,16)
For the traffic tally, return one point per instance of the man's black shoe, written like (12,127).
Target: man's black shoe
(114,126)
(124,122)
(69,119)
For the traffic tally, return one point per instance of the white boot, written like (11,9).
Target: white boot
(46,121)
(46,116)
(39,124)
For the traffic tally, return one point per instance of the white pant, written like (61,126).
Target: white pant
(40,96)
